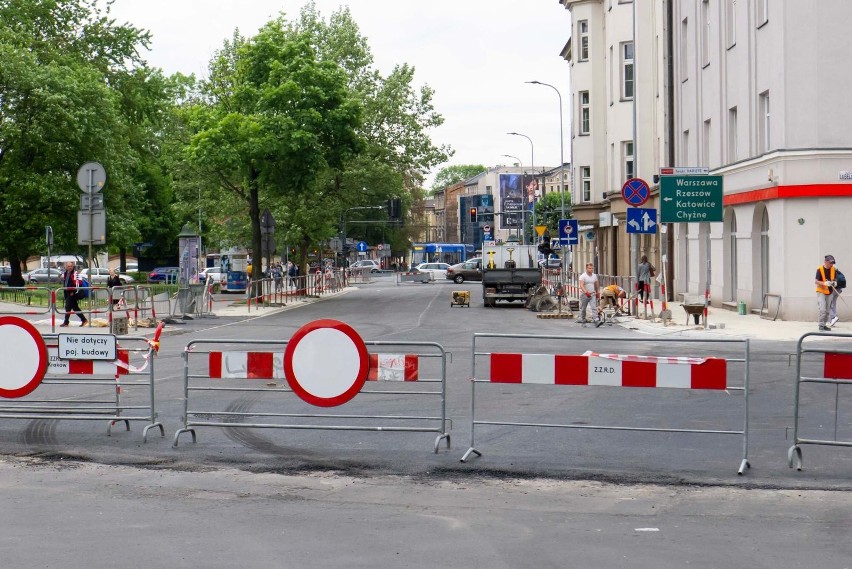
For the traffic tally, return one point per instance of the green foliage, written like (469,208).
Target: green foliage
(73,89)
(450,175)
(548,211)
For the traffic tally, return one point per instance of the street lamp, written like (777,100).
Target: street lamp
(532,167)
(561,148)
(521,164)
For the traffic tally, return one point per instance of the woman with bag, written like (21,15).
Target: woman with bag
(71,283)
(644,273)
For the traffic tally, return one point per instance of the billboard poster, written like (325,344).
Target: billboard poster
(517,196)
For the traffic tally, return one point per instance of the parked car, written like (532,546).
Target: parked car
(5,274)
(437,270)
(167,275)
(99,276)
(212,272)
(470,270)
(366,265)
(38,276)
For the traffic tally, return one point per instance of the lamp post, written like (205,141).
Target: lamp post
(561,144)
(520,164)
(532,167)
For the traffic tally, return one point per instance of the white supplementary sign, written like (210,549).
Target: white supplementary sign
(846,175)
(87,347)
(684,171)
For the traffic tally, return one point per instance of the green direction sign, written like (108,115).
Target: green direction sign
(690,199)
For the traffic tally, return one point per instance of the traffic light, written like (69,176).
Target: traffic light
(393,207)
(473,215)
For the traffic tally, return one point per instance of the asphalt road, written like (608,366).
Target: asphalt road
(327,498)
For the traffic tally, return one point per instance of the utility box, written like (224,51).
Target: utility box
(119,325)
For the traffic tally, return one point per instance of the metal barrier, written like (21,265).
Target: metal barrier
(97,302)
(836,370)
(94,390)
(592,369)
(19,300)
(255,369)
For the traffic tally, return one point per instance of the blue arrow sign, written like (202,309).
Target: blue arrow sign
(641,220)
(569,230)
(361,246)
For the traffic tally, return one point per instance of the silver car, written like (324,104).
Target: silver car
(98,276)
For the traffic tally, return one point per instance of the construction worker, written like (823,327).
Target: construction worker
(826,288)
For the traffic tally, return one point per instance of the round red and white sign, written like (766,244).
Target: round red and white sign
(23,357)
(326,363)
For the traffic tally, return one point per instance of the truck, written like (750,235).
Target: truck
(509,272)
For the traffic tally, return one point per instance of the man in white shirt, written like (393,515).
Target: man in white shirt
(589,289)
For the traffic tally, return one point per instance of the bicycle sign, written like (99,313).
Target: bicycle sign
(635,191)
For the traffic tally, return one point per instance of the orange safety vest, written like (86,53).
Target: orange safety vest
(821,288)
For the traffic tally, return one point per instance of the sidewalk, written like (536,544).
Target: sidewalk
(223,308)
(727,323)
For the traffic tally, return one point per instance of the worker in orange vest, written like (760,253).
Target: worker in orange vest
(826,288)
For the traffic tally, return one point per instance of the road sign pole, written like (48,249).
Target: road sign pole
(91,218)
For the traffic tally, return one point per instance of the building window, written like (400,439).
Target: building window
(585,113)
(627,70)
(684,49)
(763,117)
(586,181)
(732,135)
(627,159)
(762,12)
(583,26)
(730,23)
(705,33)
(705,145)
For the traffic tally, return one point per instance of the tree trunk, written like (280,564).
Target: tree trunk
(254,215)
(16,278)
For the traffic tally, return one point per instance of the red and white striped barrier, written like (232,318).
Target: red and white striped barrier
(270,365)
(835,358)
(393,367)
(837,366)
(58,366)
(609,370)
(325,364)
(246,365)
(587,368)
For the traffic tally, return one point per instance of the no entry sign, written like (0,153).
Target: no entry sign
(326,363)
(23,357)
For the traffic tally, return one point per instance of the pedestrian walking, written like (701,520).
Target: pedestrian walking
(645,271)
(71,283)
(589,290)
(112,282)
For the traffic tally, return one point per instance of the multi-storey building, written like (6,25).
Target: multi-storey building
(760,92)
(611,70)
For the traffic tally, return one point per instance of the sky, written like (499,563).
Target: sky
(475,54)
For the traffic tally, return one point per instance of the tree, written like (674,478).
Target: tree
(72,89)
(450,175)
(272,120)
(393,148)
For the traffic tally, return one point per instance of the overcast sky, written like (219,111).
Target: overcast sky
(475,54)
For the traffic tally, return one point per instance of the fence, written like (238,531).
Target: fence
(271,291)
(836,367)
(93,390)
(254,369)
(590,369)
(31,300)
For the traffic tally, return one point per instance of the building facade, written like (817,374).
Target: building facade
(611,71)
(759,97)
